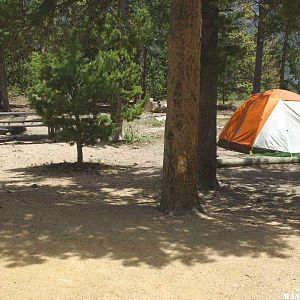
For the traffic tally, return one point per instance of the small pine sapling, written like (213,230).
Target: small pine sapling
(69,89)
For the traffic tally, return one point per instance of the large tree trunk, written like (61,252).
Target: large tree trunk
(259,50)
(124,10)
(144,72)
(116,116)
(116,111)
(4,102)
(79,153)
(179,194)
(282,84)
(207,177)
(141,59)
(79,140)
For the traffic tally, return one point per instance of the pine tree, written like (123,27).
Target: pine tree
(259,47)
(69,89)
(180,168)
(207,154)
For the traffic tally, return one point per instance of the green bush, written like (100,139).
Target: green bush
(68,90)
(132,136)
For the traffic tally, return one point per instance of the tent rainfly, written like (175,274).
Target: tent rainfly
(268,121)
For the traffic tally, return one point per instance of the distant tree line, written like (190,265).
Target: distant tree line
(258,37)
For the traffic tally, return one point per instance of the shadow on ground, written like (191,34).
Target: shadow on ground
(59,212)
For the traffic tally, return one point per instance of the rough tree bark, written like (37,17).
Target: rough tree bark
(116,110)
(79,152)
(116,116)
(124,9)
(259,49)
(179,194)
(144,72)
(4,102)
(282,84)
(207,177)
(79,144)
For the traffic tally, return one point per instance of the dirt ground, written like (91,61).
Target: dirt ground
(96,233)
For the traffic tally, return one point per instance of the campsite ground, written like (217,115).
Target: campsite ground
(97,233)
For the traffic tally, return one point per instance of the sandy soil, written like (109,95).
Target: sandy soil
(96,233)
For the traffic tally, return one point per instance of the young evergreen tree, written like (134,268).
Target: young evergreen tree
(69,89)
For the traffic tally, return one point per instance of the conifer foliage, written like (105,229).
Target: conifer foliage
(69,91)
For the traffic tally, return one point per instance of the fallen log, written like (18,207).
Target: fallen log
(255,161)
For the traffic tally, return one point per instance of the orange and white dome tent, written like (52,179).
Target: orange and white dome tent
(265,121)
